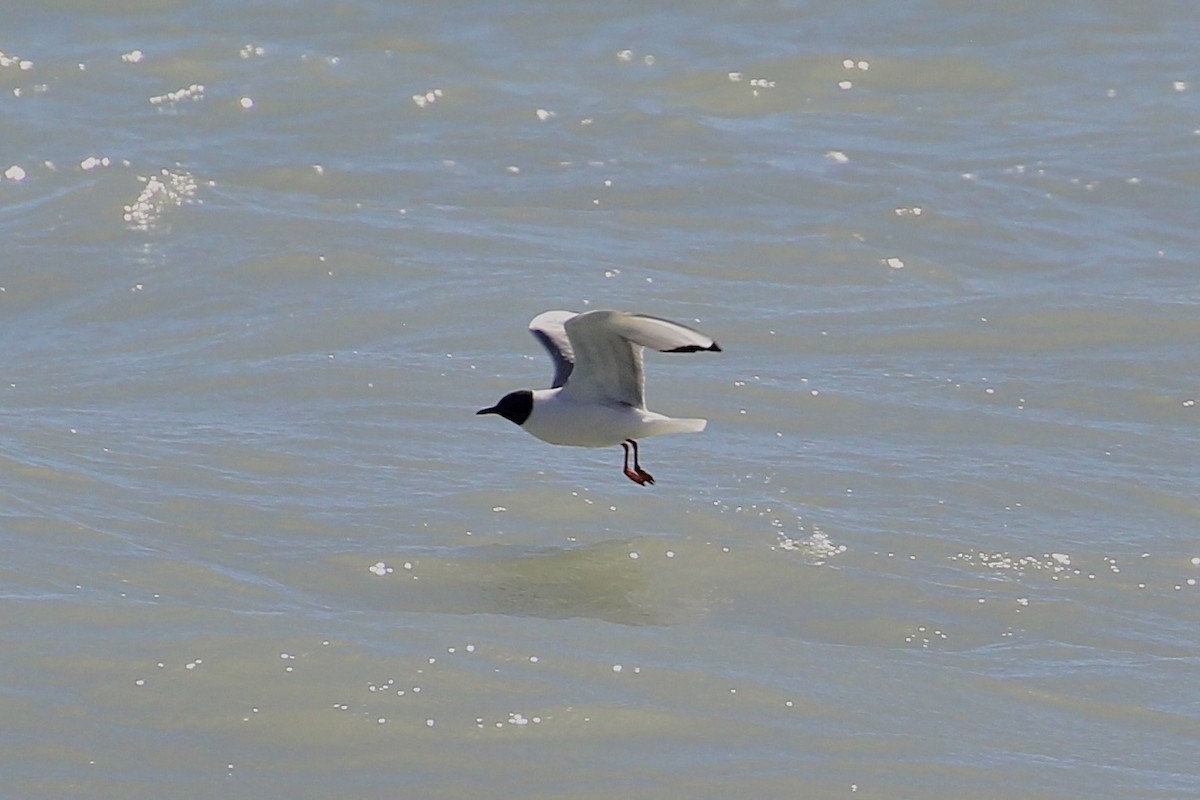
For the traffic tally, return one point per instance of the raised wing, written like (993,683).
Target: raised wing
(548,329)
(608,348)
(661,334)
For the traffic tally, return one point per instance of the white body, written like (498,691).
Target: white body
(598,396)
(558,419)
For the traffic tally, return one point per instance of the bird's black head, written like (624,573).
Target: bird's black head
(514,406)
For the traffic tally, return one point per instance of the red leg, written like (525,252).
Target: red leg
(633,476)
(637,474)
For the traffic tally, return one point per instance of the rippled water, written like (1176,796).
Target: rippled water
(263,262)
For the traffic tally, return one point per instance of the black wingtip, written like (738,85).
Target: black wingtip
(695,348)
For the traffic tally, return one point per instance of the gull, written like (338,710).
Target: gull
(597,398)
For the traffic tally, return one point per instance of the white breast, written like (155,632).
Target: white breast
(560,420)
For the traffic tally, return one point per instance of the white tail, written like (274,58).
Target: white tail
(668,425)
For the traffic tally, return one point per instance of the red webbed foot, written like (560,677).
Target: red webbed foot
(637,474)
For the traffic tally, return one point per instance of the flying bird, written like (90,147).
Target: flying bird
(597,398)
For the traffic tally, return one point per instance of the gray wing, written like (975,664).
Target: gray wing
(548,329)
(608,349)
